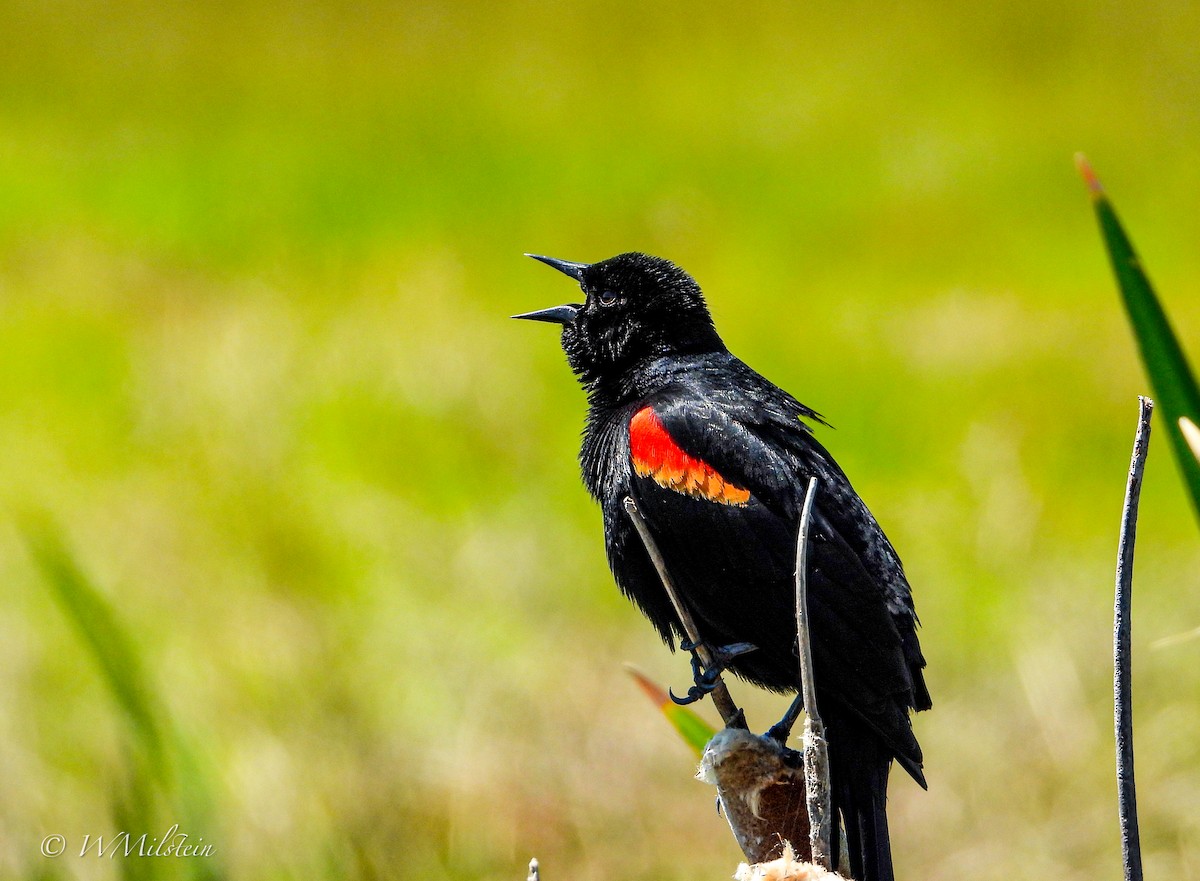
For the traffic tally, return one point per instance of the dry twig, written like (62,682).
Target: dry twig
(731,714)
(816,750)
(1126,790)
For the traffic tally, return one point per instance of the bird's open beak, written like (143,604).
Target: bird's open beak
(566,267)
(558,314)
(555,314)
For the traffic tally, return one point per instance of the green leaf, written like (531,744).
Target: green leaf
(95,622)
(1191,434)
(161,761)
(695,732)
(1174,385)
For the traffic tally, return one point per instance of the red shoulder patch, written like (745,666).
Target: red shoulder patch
(658,457)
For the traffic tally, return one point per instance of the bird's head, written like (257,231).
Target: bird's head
(636,308)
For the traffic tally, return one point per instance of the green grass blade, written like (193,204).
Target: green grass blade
(97,626)
(1191,433)
(1174,385)
(696,733)
(162,765)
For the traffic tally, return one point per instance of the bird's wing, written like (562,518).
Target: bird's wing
(717,434)
(734,452)
(655,453)
(753,432)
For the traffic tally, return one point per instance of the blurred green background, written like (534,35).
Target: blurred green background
(256,263)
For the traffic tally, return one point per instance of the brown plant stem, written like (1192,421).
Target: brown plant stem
(1131,847)
(816,749)
(731,714)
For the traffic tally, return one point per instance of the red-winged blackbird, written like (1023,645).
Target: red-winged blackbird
(718,460)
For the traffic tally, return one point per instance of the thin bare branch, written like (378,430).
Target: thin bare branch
(1122,688)
(816,750)
(730,713)
(804,642)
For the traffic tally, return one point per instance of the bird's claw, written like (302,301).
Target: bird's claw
(706,679)
(694,694)
(780,732)
(723,655)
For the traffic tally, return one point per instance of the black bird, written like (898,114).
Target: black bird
(718,459)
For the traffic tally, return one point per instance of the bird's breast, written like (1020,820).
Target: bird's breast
(604,454)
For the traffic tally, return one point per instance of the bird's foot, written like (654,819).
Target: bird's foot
(706,678)
(782,730)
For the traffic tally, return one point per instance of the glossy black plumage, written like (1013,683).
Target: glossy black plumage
(644,338)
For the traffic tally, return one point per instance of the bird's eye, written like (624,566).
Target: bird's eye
(607,298)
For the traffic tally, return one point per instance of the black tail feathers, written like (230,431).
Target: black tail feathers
(858,768)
